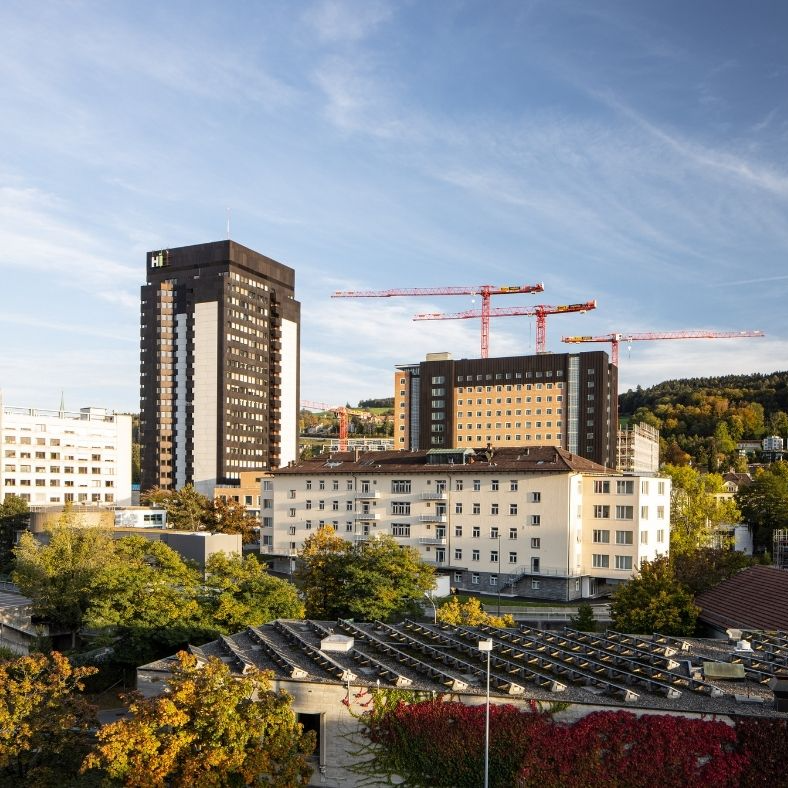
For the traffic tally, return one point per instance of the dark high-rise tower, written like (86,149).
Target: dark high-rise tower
(219,365)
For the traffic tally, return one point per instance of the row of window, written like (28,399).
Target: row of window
(70,498)
(626,487)
(11,481)
(401,486)
(602,561)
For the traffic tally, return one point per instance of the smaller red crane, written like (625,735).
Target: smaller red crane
(541,311)
(615,339)
(484,291)
(342,416)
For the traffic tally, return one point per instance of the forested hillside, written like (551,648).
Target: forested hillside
(703,418)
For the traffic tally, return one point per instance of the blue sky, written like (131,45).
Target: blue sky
(631,152)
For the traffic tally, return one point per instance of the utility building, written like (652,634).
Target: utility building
(219,388)
(567,400)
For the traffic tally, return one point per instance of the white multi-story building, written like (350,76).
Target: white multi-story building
(57,456)
(533,522)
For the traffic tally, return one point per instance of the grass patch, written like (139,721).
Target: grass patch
(492,600)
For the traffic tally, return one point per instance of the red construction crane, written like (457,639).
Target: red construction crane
(342,413)
(541,311)
(484,291)
(615,339)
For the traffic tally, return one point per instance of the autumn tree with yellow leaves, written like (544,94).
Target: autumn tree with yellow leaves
(209,728)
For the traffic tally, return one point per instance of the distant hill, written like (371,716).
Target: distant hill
(705,417)
(383,402)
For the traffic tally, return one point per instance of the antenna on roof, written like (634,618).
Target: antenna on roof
(62,404)
(228,224)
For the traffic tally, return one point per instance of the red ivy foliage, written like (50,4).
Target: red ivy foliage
(438,743)
(765,743)
(617,749)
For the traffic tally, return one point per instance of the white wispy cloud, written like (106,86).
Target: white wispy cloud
(345,20)
(37,234)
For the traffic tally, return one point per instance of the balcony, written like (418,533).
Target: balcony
(367,516)
(432,518)
(433,496)
(437,540)
(367,495)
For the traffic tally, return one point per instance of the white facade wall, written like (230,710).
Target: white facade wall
(289,393)
(626,521)
(206,404)
(492,526)
(51,457)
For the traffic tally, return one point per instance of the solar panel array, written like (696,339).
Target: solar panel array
(769,655)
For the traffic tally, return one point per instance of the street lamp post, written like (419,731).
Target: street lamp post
(435,609)
(486,645)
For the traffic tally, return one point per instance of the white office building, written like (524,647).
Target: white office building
(532,522)
(56,456)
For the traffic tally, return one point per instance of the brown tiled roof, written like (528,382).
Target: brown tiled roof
(737,478)
(538,459)
(755,598)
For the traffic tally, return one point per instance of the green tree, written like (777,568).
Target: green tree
(44,721)
(14,515)
(320,574)
(231,517)
(584,620)
(654,601)
(187,509)
(470,614)
(145,599)
(208,729)
(61,577)
(369,580)
(384,579)
(696,511)
(706,567)
(764,502)
(240,592)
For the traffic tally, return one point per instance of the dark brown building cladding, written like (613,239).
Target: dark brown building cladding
(212,365)
(498,393)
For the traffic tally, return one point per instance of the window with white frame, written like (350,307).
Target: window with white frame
(475,555)
(512,508)
(601,512)
(493,580)
(513,533)
(625,487)
(624,562)
(601,486)
(623,537)
(536,585)
(512,558)
(458,554)
(535,519)
(475,578)
(600,561)
(601,536)
(536,543)
(625,513)
(400,529)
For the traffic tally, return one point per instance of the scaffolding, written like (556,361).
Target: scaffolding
(637,449)
(780,551)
